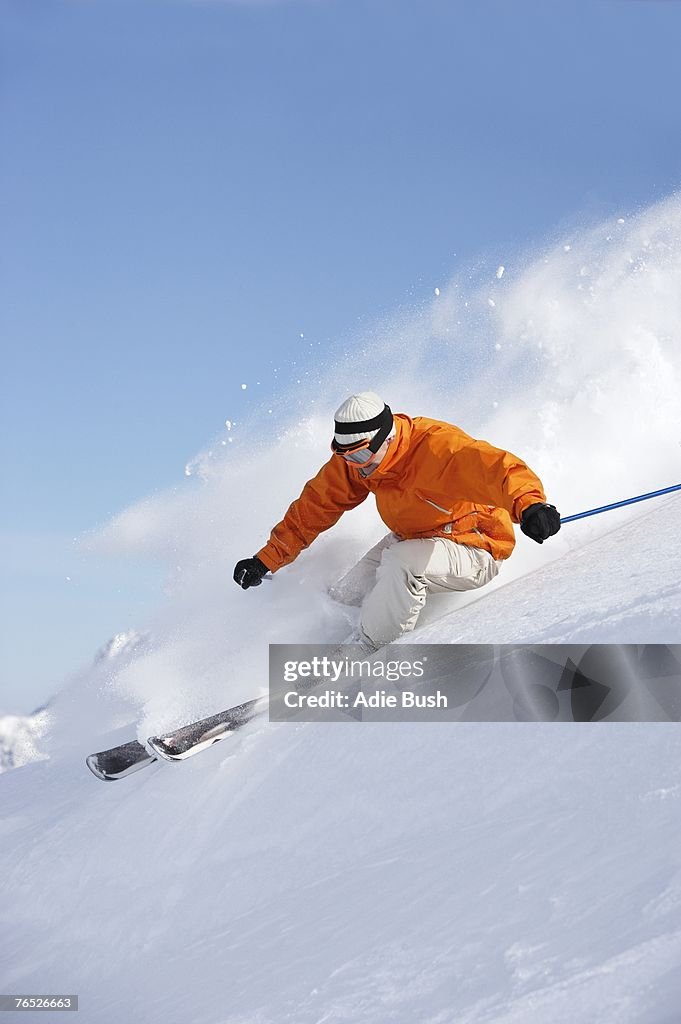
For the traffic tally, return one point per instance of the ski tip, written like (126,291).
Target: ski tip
(119,762)
(92,762)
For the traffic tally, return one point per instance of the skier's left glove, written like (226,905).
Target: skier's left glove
(249,572)
(540,521)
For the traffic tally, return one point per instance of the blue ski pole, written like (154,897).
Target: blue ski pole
(619,504)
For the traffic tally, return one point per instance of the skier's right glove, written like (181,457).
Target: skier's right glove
(540,521)
(249,572)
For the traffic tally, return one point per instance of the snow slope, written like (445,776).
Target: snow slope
(472,873)
(513,874)
(387,873)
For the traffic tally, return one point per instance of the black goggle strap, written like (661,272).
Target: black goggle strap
(382,423)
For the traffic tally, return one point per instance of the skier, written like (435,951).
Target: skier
(448,500)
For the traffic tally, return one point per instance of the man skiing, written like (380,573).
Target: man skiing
(448,500)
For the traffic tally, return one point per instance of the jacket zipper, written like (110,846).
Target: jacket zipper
(447,511)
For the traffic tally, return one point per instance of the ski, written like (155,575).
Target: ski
(190,739)
(131,757)
(120,761)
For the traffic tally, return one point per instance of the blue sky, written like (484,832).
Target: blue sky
(188,187)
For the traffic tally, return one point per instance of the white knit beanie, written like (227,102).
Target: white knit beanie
(358,409)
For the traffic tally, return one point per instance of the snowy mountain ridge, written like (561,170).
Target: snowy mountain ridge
(20,734)
(19,738)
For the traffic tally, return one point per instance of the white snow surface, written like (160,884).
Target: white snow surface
(403,873)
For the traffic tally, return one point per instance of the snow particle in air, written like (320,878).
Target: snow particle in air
(437,291)
(244,386)
(500,272)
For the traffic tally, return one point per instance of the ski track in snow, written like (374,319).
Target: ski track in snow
(461,873)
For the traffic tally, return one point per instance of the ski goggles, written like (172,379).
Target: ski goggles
(360,454)
(362,451)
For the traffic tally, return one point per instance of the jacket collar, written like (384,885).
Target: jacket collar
(398,446)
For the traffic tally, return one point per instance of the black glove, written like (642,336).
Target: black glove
(249,572)
(540,521)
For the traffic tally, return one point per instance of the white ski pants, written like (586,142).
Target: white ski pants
(394,578)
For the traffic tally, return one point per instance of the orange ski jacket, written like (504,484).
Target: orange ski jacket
(434,481)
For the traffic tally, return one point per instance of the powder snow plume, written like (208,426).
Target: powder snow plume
(571,357)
